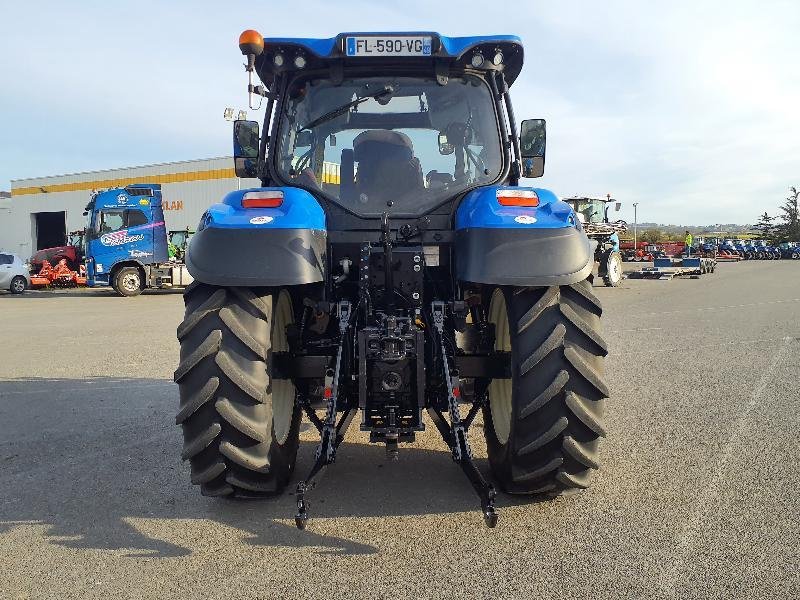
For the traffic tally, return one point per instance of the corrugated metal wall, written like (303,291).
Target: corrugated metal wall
(188,188)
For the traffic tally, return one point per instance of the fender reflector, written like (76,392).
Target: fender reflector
(517,198)
(269,199)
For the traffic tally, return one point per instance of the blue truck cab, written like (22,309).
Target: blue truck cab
(126,241)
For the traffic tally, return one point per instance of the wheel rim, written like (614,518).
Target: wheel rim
(130,282)
(283,391)
(500,404)
(18,284)
(614,268)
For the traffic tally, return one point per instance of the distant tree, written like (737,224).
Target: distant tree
(765,225)
(652,236)
(788,230)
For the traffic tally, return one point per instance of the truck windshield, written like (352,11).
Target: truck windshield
(401,145)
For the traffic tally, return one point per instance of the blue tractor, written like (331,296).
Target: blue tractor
(744,249)
(790,250)
(728,246)
(390,265)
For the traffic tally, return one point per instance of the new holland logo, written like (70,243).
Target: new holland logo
(117,238)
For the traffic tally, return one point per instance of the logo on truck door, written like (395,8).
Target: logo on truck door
(117,238)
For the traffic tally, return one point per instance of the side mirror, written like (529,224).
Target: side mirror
(245,148)
(532,141)
(445,147)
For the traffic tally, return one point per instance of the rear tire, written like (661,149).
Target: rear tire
(240,426)
(543,425)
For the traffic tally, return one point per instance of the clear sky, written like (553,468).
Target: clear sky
(691,109)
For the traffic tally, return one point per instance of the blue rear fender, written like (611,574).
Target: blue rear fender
(520,245)
(284,245)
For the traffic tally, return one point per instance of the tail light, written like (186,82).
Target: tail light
(269,199)
(517,198)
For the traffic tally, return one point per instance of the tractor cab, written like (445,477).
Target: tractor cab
(592,210)
(387,124)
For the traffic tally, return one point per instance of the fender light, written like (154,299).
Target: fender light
(517,198)
(270,199)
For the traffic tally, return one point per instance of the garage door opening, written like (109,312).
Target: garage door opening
(51,229)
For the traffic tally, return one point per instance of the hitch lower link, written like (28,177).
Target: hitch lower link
(455,434)
(331,433)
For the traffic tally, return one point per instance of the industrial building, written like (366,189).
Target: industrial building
(41,211)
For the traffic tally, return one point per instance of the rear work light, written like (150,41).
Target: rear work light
(517,198)
(271,199)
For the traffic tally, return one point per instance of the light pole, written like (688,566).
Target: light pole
(635,204)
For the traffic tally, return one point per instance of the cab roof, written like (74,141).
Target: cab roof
(452,51)
(131,196)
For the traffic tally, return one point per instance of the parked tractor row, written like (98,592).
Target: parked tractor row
(756,249)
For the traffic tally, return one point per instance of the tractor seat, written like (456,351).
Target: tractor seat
(387,167)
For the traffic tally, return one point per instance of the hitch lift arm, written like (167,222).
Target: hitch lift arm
(331,433)
(455,433)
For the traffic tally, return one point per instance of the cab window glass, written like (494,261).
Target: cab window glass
(116,218)
(135,217)
(110,220)
(6,259)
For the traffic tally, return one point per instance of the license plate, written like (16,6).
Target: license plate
(399,45)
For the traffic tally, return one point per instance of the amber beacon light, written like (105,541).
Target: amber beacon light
(251,42)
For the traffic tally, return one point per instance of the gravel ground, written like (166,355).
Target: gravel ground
(696,498)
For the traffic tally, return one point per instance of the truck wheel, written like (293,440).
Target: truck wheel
(612,269)
(240,426)
(128,282)
(542,425)
(18,285)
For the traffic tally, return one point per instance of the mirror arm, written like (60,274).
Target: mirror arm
(516,167)
(263,170)
(503,131)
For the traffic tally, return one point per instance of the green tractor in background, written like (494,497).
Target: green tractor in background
(593,213)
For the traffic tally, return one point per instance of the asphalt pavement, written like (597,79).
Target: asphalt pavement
(697,497)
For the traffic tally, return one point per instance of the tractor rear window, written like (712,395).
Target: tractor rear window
(401,145)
